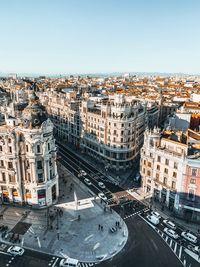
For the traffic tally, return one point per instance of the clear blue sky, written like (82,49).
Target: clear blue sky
(89,36)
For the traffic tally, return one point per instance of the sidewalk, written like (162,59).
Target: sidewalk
(166,214)
(82,239)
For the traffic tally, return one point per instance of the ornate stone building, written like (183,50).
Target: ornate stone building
(28,170)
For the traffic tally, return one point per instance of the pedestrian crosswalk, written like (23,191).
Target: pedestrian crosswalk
(177,249)
(135,213)
(85,264)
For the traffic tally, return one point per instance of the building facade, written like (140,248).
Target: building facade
(112,129)
(169,169)
(28,170)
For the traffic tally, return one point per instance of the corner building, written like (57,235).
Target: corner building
(28,170)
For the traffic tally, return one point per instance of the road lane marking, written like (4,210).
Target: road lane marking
(180,251)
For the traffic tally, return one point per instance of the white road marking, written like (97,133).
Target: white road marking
(170,242)
(39,244)
(22,242)
(175,247)
(55,262)
(166,238)
(180,251)
(89,237)
(2,252)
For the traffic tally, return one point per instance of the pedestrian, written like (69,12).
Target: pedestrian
(99,226)
(116,224)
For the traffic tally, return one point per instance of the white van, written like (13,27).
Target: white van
(190,237)
(153,219)
(69,262)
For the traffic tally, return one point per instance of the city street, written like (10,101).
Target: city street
(144,248)
(30,258)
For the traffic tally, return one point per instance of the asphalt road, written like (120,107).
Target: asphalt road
(29,258)
(144,248)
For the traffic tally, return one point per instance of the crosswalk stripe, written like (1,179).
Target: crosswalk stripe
(175,247)
(170,242)
(180,251)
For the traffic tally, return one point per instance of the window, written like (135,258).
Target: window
(10,165)
(3,176)
(10,149)
(122,140)
(1,148)
(11,178)
(173,185)
(38,148)
(165,181)
(157,176)
(158,167)
(175,165)
(144,170)
(39,164)
(9,140)
(40,178)
(149,164)
(148,173)
(26,148)
(191,194)
(2,163)
(192,181)
(122,132)
(144,162)
(174,174)
(115,132)
(166,162)
(158,159)
(166,171)
(194,172)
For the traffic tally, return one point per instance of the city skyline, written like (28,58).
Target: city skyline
(99,37)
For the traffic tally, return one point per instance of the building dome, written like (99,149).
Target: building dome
(34,114)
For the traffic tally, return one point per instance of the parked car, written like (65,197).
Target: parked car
(190,237)
(102,196)
(169,224)
(102,185)
(171,233)
(156,214)
(82,172)
(195,249)
(87,181)
(69,262)
(15,250)
(154,220)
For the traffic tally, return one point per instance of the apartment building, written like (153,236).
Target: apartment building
(28,170)
(168,166)
(112,129)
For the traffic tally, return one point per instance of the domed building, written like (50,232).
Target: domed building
(28,153)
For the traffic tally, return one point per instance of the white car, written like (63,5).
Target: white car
(15,250)
(190,237)
(153,219)
(102,196)
(171,233)
(169,224)
(69,262)
(87,181)
(156,214)
(82,172)
(102,185)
